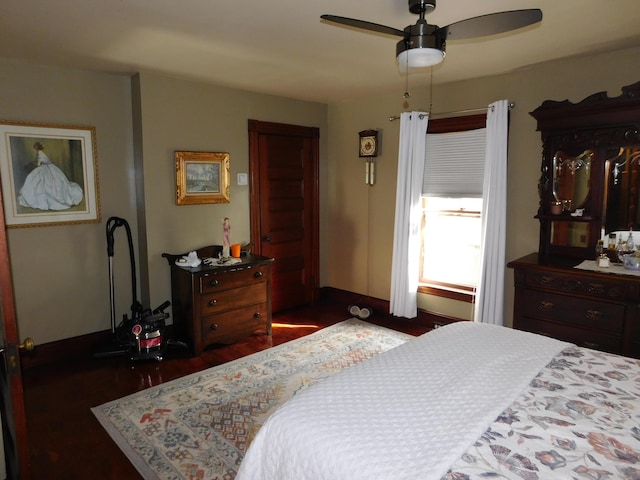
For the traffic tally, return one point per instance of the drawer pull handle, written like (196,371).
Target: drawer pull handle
(213,302)
(214,283)
(591,345)
(258,275)
(546,280)
(594,315)
(544,305)
(214,326)
(257,315)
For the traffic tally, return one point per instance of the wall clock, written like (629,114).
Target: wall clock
(369,143)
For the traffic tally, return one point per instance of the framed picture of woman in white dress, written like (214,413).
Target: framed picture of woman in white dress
(49,174)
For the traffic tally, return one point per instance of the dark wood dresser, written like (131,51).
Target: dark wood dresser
(220,304)
(589,191)
(591,309)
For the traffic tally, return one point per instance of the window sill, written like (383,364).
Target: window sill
(452,293)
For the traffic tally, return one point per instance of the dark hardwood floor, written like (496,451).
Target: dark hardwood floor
(67,442)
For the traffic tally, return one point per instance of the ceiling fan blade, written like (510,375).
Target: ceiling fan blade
(492,24)
(374,27)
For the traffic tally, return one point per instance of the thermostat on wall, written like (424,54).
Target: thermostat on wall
(243,179)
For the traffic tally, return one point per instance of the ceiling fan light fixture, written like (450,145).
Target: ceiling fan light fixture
(419,58)
(423,45)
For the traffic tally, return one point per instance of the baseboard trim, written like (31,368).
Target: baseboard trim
(82,346)
(85,346)
(381,307)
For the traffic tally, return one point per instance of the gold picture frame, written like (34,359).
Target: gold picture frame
(202,177)
(49,174)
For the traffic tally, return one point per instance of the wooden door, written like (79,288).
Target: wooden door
(283,164)
(14,425)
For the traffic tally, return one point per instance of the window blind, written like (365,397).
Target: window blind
(454,164)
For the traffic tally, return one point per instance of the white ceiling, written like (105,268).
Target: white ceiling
(282,47)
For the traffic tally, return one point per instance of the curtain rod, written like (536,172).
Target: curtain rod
(471,110)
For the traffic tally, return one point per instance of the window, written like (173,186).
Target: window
(452,207)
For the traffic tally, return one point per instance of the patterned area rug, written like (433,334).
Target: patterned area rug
(199,426)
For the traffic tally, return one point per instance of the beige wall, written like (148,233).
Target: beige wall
(179,115)
(364,241)
(61,273)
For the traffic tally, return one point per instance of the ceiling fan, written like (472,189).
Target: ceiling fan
(423,45)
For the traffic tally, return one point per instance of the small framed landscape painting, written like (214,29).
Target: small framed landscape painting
(202,177)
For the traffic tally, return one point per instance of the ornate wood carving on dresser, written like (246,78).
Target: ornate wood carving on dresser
(584,146)
(220,304)
(591,309)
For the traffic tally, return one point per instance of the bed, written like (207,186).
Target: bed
(464,401)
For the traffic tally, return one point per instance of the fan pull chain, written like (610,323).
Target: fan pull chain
(431,92)
(406,95)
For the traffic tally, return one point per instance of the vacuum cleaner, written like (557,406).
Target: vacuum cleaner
(140,336)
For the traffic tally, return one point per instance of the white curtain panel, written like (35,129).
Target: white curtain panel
(406,236)
(490,289)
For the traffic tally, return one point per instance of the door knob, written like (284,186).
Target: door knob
(12,354)
(27,345)
(266,238)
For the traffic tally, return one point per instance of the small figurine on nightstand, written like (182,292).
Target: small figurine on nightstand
(226,237)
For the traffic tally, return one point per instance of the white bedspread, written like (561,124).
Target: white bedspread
(408,413)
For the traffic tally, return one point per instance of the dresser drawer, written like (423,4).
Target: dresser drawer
(580,312)
(233,298)
(216,281)
(612,289)
(229,327)
(583,338)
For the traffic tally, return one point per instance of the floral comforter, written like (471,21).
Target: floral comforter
(578,419)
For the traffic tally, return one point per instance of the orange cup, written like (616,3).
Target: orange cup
(235,250)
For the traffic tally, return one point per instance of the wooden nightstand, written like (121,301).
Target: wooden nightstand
(220,304)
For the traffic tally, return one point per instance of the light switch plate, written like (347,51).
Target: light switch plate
(243,179)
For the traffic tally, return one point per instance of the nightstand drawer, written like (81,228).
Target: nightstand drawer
(594,315)
(228,327)
(233,298)
(216,281)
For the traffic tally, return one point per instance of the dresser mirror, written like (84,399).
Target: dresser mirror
(622,198)
(590,171)
(571,179)
(569,234)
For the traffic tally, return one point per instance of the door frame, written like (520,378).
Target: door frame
(14,415)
